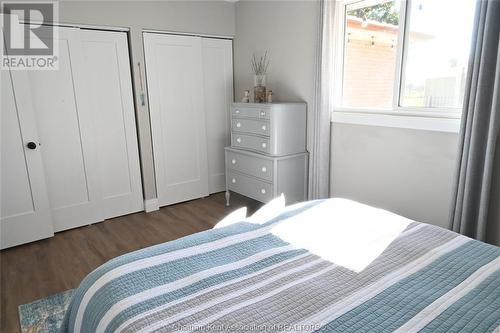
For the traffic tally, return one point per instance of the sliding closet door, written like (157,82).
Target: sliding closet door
(175,90)
(24,207)
(65,126)
(218,86)
(107,74)
(86,120)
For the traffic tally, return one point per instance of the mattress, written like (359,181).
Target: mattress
(320,266)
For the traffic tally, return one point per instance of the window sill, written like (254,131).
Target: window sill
(446,123)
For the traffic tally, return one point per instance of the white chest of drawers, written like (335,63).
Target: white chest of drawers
(267,156)
(275,129)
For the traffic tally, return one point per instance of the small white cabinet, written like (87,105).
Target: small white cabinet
(267,156)
(272,128)
(264,177)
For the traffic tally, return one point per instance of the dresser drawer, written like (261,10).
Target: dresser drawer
(250,187)
(252,112)
(250,142)
(251,165)
(252,126)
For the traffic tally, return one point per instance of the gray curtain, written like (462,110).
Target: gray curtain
(472,199)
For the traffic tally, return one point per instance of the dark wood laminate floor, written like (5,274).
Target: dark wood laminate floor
(39,269)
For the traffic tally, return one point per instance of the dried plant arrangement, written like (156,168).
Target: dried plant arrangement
(259,65)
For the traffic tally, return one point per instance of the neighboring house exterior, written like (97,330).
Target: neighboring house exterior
(369,69)
(369,63)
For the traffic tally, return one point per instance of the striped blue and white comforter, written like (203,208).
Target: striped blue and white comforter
(247,277)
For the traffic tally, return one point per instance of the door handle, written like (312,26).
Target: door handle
(31,145)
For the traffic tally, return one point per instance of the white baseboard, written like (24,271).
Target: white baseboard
(151,205)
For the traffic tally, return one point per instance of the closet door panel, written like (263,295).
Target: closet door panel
(59,126)
(108,76)
(24,206)
(175,90)
(61,102)
(16,193)
(218,85)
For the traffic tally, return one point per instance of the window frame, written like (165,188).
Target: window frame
(401,55)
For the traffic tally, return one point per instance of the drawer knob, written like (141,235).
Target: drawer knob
(238,140)
(264,145)
(263,191)
(237,111)
(233,180)
(262,113)
(238,124)
(264,127)
(233,161)
(264,169)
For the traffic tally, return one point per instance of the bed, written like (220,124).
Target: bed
(320,266)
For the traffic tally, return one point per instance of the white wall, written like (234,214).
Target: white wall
(203,17)
(406,171)
(288,31)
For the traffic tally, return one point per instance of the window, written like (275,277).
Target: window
(370,54)
(404,55)
(436,53)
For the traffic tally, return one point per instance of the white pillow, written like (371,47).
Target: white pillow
(269,211)
(234,217)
